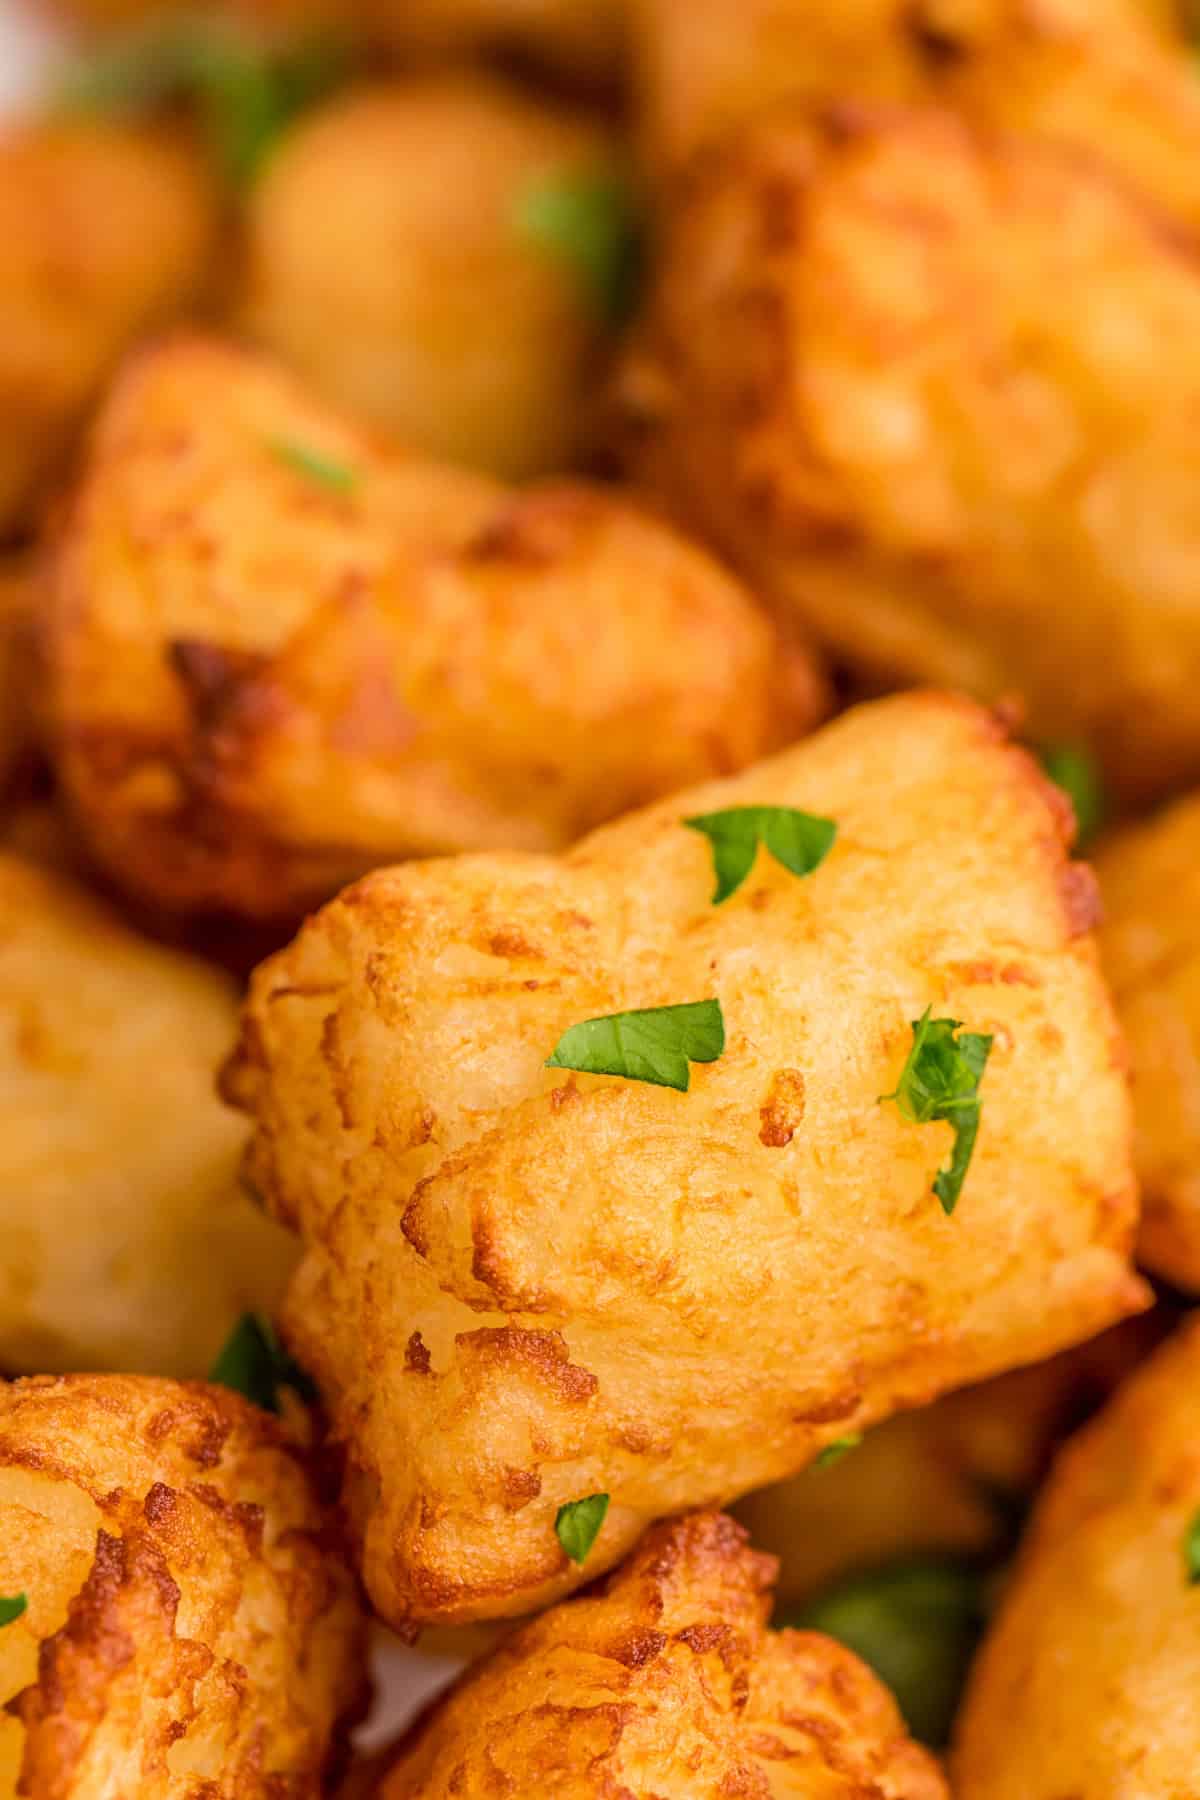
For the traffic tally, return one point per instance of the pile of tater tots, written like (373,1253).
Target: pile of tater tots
(577,578)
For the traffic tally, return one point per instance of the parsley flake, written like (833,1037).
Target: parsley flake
(1074,770)
(1191,1549)
(577,1525)
(655,1044)
(940,1080)
(11,1607)
(326,471)
(591,223)
(833,1453)
(253,1362)
(800,841)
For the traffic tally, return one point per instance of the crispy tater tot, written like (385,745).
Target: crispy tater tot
(190,1626)
(668,1682)
(1086,1684)
(931,390)
(524,1285)
(127,1243)
(1150,946)
(279,656)
(105,229)
(17,611)
(391,261)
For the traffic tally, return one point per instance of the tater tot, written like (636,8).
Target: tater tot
(105,230)
(932,391)
(1086,1684)
(17,609)
(279,656)
(668,1682)
(127,1243)
(190,1626)
(1150,946)
(391,262)
(522,1286)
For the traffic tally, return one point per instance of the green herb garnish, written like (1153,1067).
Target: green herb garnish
(326,471)
(1191,1549)
(253,1362)
(916,1623)
(800,841)
(941,1080)
(591,223)
(11,1607)
(833,1453)
(577,1525)
(655,1044)
(1075,771)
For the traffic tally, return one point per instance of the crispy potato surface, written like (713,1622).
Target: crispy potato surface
(105,230)
(265,679)
(667,1682)
(127,1243)
(17,611)
(191,1628)
(1150,947)
(1086,1683)
(523,1285)
(949,431)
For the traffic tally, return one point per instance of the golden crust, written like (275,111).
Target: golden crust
(387,264)
(105,230)
(127,1243)
(190,1627)
(667,1681)
(523,1285)
(948,434)
(1150,946)
(261,688)
(1086,1684)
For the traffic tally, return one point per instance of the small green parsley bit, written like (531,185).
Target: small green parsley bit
(592,223)
(833,1453)
(800,841)
(577,1525)
(1074,770)
(1191,1549)
(314,465)
(254,1363)
(655,1044)
(11,1607)
(940,1080)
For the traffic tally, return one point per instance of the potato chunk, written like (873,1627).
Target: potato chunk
(1086,1684)
(190,1628)
(127,1243)
(523,1285)
(926,387)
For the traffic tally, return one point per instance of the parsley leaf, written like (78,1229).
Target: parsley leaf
(247,94)
(941,1080)
(800,841)
(655,1044)
(577,1525)
(1191,1549)
(833,1453)
(11,1607)
(253,1362)
(1075,771)
(326,471)
(590,222)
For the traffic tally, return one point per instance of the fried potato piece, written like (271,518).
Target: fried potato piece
(1086,1683)
(263,681)
(523,1286)
(17,611)
(943,1479)
(191,1627)
(391,263)
(1150,944)
(952,436)
(105,230)
(127,1243)
(667,1682)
